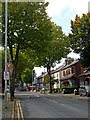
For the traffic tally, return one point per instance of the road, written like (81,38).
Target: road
(46,106)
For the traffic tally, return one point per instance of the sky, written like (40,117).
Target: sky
(61,13)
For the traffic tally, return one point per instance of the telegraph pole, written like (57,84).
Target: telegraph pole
(6,50)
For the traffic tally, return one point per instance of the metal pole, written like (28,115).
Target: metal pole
(6,49)
(44,80)
(32,79)
(9,83)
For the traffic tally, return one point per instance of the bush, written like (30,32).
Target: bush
(46,89)
(53,89)
(68,87)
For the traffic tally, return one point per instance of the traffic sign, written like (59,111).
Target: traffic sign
(6,75)
(9,68)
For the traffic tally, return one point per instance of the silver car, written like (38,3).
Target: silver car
(84,90)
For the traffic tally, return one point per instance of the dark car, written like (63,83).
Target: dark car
(84,90)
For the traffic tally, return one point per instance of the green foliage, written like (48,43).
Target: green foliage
(27,76)
(47,89)
(28,27)
(47,78)
(57,48)
(80,37)
(68,87)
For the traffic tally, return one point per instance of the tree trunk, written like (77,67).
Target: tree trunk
(14,62)
(49,73)
(12,85)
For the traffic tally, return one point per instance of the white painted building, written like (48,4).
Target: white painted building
(57,76)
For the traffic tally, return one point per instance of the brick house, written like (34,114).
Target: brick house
(41,81)
(69,75)
(85,77)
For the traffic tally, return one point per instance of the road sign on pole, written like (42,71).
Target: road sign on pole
(9,68)
(6,75)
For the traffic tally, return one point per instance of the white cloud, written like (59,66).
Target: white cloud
(56,6)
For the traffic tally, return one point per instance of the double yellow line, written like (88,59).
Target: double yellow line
(19,112)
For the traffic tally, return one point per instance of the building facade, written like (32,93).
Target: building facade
(69,75)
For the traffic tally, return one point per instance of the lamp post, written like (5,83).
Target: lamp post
(5,52)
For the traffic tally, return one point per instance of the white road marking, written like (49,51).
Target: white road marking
(37,96)
(45,98)
(52,101)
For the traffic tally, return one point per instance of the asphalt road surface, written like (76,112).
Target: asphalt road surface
(46,106)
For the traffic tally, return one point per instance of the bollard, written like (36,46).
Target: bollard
(8,96)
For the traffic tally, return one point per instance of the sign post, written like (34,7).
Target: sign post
(9,69)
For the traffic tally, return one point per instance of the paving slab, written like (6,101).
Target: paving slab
(7,109)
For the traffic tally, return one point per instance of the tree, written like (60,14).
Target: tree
(25,63)
(80,37)
(28,26)
(57,48)
(27,76)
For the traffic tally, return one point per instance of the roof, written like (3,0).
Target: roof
(74,62)
(68,77)
(84,74)
(58,69)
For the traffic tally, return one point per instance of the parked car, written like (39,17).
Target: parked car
(84,90)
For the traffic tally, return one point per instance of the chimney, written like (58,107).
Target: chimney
(69,61)
(65,62)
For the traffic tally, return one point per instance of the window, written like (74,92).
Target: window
(66,72)
(60,75)
(69,71)
(63,73)
(72,69)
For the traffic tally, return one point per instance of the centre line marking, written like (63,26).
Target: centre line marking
(52,101)
(45,98)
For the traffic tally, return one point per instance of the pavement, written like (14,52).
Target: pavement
(84,98)
(7,109)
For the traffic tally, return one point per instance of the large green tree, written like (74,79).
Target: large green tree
(24,62)
(80,37)
(28,27)
(57,48)
(27,76)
